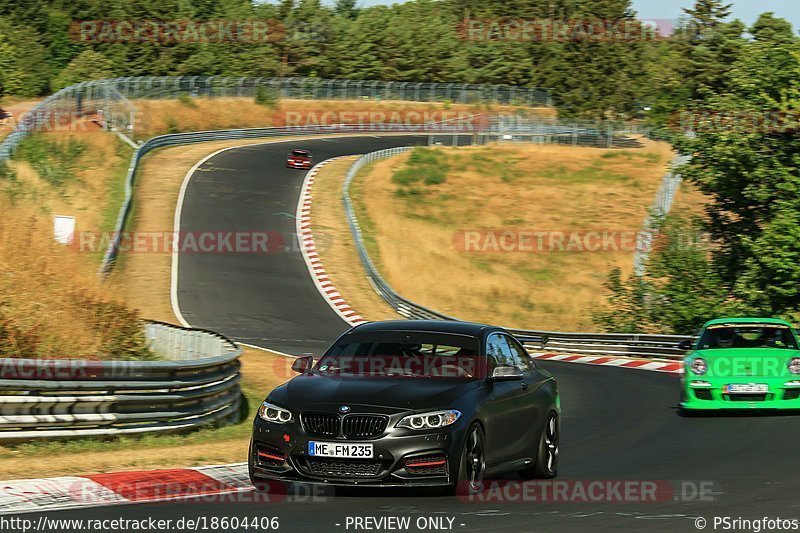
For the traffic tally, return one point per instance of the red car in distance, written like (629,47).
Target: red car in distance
(299,159)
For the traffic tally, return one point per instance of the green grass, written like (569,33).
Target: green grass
(10,182)
(629,155)
(116,187)
(364,221)
(424,166)
(596,172)
(538,274)
(482,264)
(267,96)
(515,221)
(172,125)
(115,197)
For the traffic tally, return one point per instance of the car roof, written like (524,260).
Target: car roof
(747,320)
(300,151)
(435,326)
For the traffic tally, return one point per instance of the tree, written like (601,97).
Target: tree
(598,75)
(23,61)
(347,9)
(89,65)
(712,48)
(707,15)
(747,160)
(769,28)
(679,291)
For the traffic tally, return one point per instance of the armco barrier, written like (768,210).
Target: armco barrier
(634,345)
(197,383)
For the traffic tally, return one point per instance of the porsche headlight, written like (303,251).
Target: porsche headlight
(431,420)
(794,365)
(699,366)
(273,413)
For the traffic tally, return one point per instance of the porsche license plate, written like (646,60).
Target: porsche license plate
(340,450)
(746,388)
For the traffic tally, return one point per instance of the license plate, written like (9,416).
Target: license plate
(340,450)
(746,388)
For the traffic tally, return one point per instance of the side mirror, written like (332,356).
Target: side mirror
(506,373)
(303,364)
(685,345)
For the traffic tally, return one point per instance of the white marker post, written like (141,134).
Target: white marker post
(64,229)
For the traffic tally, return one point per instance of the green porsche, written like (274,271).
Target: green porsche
(742,363)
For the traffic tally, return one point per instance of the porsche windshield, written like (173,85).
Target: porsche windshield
(453,359)
(748,336)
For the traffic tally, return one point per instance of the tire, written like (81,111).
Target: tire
(472,466)
(546,465)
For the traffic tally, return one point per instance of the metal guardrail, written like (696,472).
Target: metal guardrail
(196,384)
(635,345)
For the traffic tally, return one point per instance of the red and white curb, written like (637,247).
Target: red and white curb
(668,367)
(311,255)
(119,488)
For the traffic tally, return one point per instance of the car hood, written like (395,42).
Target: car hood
(315,391)
(743,362)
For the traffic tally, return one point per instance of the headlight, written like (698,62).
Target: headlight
(432,420)
(273,413)
(794,365)
(699,366)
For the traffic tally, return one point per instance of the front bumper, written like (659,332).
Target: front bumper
(279,452)
(704,393)
(305,166)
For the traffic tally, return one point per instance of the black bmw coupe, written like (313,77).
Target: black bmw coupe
(410,403)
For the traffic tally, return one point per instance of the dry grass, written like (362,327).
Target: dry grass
(164,116)
(52,304)
(336,247)
(98,178)
(46,290)
(690,201)
(520,187)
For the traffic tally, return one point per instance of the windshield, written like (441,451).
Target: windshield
(376,358)
(299,153)
(748,336)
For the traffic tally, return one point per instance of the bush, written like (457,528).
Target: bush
(54,160)
(425,165)
(267,96)
(680,290)
(187,100)
(172,125)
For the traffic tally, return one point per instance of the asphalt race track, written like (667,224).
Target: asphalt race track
(264,299)
(618,424)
